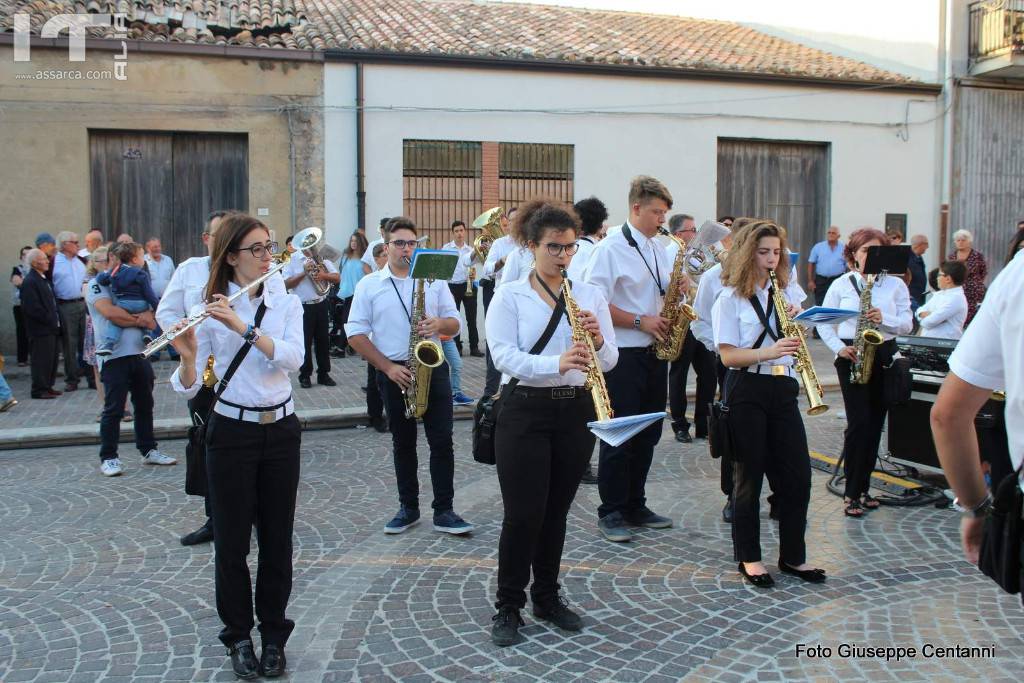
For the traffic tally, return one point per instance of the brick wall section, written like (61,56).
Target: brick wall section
(490,174)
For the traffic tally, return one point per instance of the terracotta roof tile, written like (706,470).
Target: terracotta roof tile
(468,28)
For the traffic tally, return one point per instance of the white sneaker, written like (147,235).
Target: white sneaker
(155,457)
(111,468)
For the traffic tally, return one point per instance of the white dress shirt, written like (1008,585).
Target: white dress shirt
(585,249)
(947,311)
(304,290)
(889,295)
(708,289)
(259,381)
(382,314)
(465,255)
(736,323)
(500,249)
(518,317)
(517,266)
(989,354)
(160,273)
(368,254)
(68,276)
(619,271)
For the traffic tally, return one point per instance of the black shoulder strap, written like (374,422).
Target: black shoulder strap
(853,281)
(556,316)
(763,317)
(239,357)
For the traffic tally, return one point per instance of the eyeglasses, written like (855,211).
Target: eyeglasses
(258,251)
(555,249)
(402,244)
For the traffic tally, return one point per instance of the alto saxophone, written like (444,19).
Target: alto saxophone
(678,311)
(802,362)
(594,382)
(866,339)
(424,356)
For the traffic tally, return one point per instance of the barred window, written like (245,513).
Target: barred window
(528,170)
(442,182)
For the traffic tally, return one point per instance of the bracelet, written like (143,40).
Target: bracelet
(979,510)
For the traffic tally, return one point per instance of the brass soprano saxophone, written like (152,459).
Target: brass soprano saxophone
(424,356)
(866,339)
(679,312)
(802,362)
(594,382)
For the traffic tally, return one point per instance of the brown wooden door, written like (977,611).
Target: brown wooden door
(787,182)
(164,184)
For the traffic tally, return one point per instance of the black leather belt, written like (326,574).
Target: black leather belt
(639,349)
(69,301)
(550,393)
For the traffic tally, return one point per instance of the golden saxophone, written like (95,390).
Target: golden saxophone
(802,362)
(677,310)
(866,339)
(594,382)
(424,356)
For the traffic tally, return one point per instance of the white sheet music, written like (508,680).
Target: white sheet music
(617,430)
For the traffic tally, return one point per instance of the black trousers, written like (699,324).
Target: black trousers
(865,417)
(703,361)
(770,440)
(253,476)
(636,385)
(315,322)
(374,402)
(338,336)
(198,411)
(725,475)
(542,446)
(119,376)
(487,288)
(437,425)
(492,379)
(22,335)
(72,325)
(44,363)
(821,285)
(469,303)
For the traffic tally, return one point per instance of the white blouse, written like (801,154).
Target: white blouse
(735,322)
(889,295)
(259,381)
(947,311)
(517,318)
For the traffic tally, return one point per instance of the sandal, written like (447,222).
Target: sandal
(853,509)
(870,502)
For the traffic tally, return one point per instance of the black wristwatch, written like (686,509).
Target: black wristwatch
(636,322)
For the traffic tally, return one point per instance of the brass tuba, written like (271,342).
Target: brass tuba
(866,339)
(489,223)
(802,362)
(594,383)
(424,356)
(679,312)
(310,243)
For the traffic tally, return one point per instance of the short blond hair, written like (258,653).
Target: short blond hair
(645,188)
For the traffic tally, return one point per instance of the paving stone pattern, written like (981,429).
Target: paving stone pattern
(94,585)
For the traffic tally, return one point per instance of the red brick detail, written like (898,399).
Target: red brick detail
(489,163)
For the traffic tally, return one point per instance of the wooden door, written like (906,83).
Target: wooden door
(787,182)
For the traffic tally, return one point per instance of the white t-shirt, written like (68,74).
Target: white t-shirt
(947,311)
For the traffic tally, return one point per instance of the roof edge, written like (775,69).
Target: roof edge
(188,49)
(519,63)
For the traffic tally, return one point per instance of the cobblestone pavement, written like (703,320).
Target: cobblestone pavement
(94,585)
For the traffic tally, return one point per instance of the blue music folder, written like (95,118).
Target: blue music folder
(819,315)
(617,430)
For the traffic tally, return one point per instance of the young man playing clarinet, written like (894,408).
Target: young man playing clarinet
(378,329)
(633,270)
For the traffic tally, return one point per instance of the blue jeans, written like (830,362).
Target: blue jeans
(451,354)
(5,390)
(113,336)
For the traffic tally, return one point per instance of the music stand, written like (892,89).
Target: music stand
(433,264)
(891,259)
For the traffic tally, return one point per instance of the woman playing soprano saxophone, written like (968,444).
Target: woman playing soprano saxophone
(761,391)
(542,443)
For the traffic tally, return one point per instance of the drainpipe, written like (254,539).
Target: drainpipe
(948,97)
(360,163)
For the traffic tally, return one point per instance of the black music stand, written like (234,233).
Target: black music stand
(891,259)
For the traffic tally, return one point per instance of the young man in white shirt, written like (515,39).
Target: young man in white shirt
(300,276)
(459,285)
(632,268)
(943,315)
(378,328)
(161,270)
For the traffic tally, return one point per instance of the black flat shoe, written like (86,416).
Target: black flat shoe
(243,660)
(272,661)
(757,580)
(203,534)
(808,575)
(305,383)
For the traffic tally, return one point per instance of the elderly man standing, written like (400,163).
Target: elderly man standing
(824,264)
(68,277)
(161,268)
(918,271)
(42,324)
(93,240)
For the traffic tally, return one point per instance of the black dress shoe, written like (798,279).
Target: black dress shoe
(326,381)
(305,383)
(243,660)
(683,436)
(727,512)
(588,476)
(272,661)
(757,580)
(476,353)
(809,575)
(203,534)
(379,423)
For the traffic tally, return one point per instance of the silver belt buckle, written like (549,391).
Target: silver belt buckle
(563,392)
(268,417)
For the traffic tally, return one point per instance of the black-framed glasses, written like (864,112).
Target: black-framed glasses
(402,244)
(258,251)
(555,249)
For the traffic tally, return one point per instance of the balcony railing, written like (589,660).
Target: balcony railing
(996,28)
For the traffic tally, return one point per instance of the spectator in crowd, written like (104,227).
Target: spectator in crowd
(18,274)
(130,289)
(825,263)
(48,245)
(352,270)
(7,400)
(124,371)
(944,313)
(977,270)
(161,268)
(124,237)
(895,236)
(379,257)
(93,240)
(918,270)
(68,276)
(1016,244)
(726,220)
(42,324)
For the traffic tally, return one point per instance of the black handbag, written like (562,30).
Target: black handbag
(195,450)
(1000,555)
(488,408)
(897,382)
